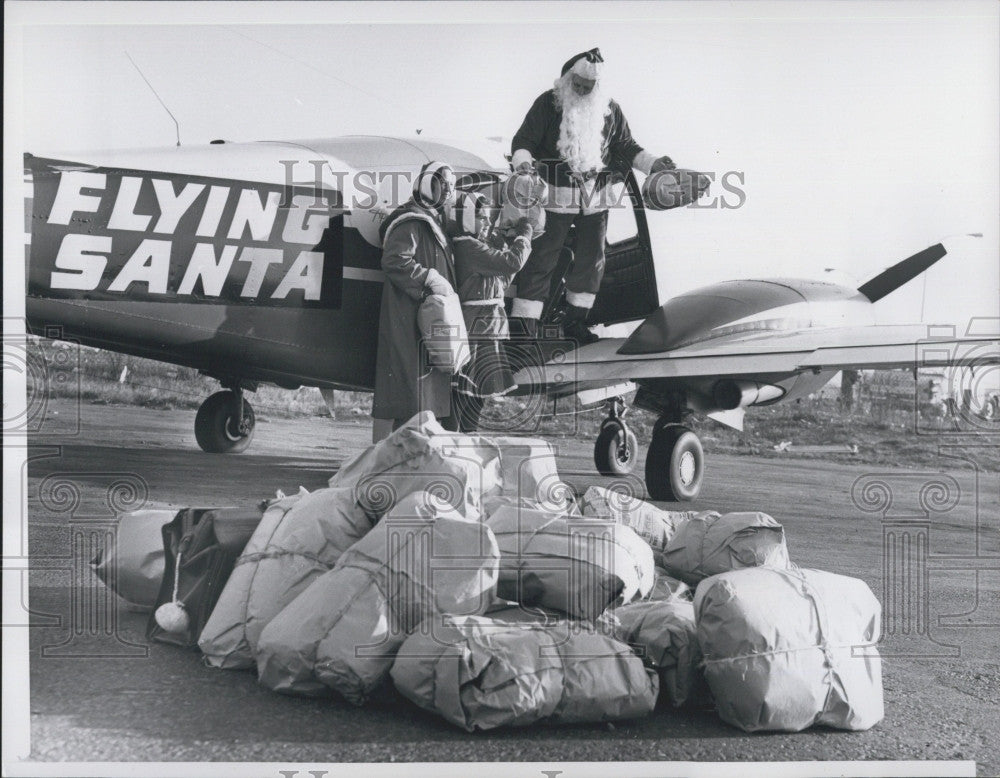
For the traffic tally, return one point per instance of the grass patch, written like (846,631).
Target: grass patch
(108,378)
(881,430)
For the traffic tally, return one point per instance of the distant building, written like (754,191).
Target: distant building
(976,389)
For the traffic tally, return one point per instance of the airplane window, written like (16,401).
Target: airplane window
(621,218)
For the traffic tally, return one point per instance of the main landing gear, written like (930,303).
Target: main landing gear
(225,423)
(675,462)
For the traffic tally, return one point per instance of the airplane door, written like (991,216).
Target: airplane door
(628,290)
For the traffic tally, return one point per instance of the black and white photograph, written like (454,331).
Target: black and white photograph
(528,389)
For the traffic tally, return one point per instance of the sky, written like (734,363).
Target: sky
(863,131)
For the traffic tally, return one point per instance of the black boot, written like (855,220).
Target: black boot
(575,327)
(523,348)
(522,328)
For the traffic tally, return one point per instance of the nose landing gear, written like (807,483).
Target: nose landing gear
(616,449)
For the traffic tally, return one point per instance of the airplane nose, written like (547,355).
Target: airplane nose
(695,315)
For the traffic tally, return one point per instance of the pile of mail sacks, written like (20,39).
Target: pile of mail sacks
(461,569)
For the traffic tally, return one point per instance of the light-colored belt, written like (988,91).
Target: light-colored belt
(495,301)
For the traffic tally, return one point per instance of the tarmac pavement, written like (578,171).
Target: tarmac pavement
(100,692)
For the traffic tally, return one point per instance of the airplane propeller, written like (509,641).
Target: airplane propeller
(890,280)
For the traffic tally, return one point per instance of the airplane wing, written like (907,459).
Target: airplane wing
(769,352)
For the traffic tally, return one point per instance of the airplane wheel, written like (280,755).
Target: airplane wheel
(675,464)
(216,427)
(616,450)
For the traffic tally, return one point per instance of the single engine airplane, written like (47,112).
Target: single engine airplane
(259,262)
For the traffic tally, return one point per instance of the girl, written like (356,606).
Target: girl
(484,268)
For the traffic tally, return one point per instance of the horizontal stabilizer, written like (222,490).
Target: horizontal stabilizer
(890,280)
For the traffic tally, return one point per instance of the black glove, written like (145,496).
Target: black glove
(663,163)
(523,228)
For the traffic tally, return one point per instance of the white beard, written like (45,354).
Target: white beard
(581,132)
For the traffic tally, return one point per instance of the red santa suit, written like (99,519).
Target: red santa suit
(484,267)
(576,142)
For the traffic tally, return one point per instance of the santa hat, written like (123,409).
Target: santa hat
(423,186)
(586,64)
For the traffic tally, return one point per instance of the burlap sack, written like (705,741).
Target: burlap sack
(483,672)
(708,544)
(787,649)
(299,539)
(341,633)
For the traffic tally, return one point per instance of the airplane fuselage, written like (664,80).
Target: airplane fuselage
(260,262)
(251,261)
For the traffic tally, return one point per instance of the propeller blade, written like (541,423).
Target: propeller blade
(890,280)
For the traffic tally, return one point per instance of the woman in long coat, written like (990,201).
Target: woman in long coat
(417,261)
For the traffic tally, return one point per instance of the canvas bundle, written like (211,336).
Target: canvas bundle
(343,631)
(459,470)
(650,523)
(528,471)
(787,649)
(445,338)
(483,672)
(710,543)
(299,538)
(665,632)
(523,196)
(133,566)
(529,479)
(668,189)
(574,565)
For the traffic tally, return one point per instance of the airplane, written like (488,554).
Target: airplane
(259,262)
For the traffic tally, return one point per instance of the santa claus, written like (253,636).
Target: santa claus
(575,136)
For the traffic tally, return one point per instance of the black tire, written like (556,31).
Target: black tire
(216,426)
(675,464)
(615,453)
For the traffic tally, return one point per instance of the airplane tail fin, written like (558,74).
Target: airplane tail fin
(894,277)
